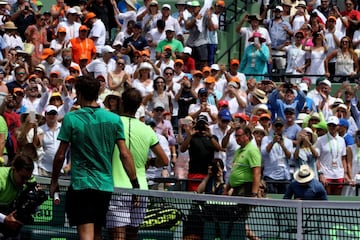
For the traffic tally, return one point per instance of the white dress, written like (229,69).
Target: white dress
(317,65)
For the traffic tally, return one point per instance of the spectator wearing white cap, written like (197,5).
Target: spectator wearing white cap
(103,65)
(309,102)
(49,141)
(176,46)
(170,21)
(280,33)
(189,62)
(70,24)
(322,98)
(198,25)
(332,158)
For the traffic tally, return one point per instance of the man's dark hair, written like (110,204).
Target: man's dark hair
(23,162)
(160,24)
(87,87)
(246,130)
(131,99)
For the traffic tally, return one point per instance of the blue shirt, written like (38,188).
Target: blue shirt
(313,190)
(278,105)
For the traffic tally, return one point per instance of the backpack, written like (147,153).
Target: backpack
(161,215)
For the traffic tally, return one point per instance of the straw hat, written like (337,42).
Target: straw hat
(260,95)
(304,174)
(10,25)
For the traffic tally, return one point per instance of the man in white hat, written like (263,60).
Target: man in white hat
(305,186)
(280,34)
(102,65)
(70,24)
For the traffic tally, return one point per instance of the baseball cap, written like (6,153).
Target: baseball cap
(327,82)
(280,8)
(166,6)
(159,104)
(303,87)
(206,69)
(17,89)
(223,103)
(71,11)
(188,50)
(202,91)
(179,61)
(225,114)
(202,118)
(61,30)
(279,121)
(51,108)
(333,120)
(89,16)
(234,61)
(215,67)
(289,110)
(46,53)
(107,49)
(209,79)
(344,122)
(83,27)
(170,28)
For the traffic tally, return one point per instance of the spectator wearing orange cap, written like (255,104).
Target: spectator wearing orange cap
(48,60)
(97,32)
(165,59)
(214,95)
(59,43)
(233,72)
(178,70)
(82,45)
(197,77)
(220,12)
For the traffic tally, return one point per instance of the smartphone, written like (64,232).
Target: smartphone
(256,40)
(32,116)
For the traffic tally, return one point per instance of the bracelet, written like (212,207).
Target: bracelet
(253,194)
(174,154)
(135,183)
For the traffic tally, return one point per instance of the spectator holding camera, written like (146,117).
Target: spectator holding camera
(213,183)
(203,107)
(276,151)
(12,181)
(202,146)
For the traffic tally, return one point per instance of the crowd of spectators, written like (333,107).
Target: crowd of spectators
(192,102)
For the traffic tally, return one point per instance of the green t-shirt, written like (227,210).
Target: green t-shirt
(139,139)
(92,134)
(8,189)
(244,160)
(3,130)
(176,45)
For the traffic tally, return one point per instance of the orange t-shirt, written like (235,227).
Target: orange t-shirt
(81,47)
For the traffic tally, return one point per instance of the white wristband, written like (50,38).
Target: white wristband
(2,218)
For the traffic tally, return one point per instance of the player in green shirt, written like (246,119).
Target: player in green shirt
(92,133)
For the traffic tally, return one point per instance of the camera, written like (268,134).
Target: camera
(26,8)
(200,127)
(27,202)
(214,168)
(167,54)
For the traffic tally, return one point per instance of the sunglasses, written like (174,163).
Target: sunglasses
(168,73)
(120,63)
(158,109)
